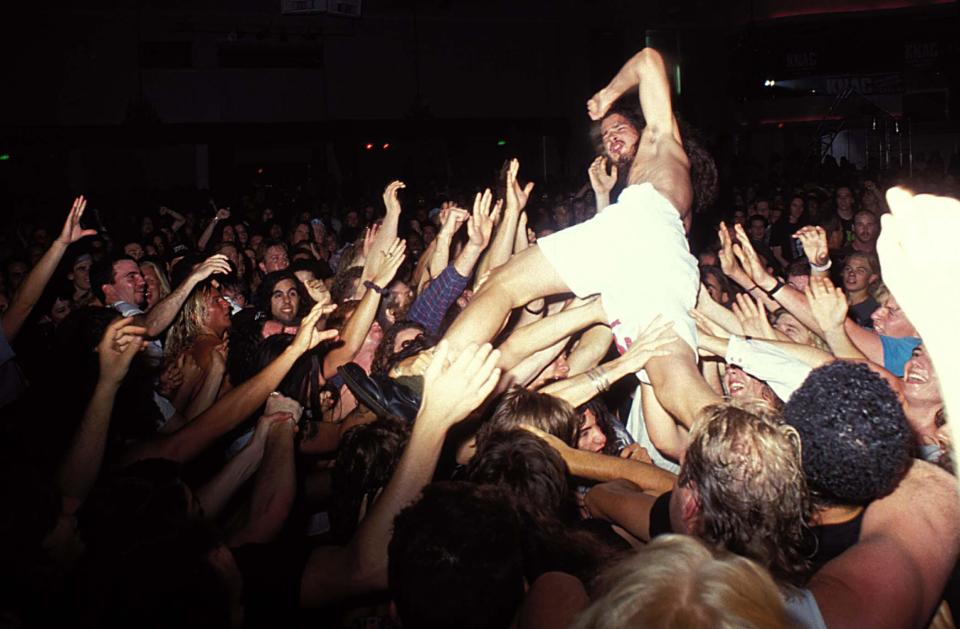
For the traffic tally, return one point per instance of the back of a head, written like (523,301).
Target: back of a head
(528,466)
(856,440)
(522,406)
(366,459)
(676,582)
(456,560)
(752,499)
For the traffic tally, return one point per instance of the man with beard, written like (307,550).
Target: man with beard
(634,253)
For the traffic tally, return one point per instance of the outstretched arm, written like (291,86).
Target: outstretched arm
(120,343)
(646,70)
(221,215)
(451,392)
(236,405)
(503,241)
(895,574)
(34,284)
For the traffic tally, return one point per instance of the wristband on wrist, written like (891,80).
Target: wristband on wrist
(825,267)
(773,291)
(373,287)
(535,312)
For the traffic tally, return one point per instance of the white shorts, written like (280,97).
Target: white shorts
(635,255)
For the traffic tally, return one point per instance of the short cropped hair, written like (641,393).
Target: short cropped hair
(856,440)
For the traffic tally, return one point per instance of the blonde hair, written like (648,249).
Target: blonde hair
(190,320)
(676,581)
(745,466)
(161,278)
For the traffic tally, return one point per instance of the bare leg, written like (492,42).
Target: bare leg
(527,276)
(678,385)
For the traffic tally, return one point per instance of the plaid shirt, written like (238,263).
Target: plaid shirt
(432,304)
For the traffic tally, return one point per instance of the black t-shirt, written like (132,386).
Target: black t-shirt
(271,583)
(834,539)
(862,311)
(660,516)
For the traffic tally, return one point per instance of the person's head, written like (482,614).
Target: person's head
(762,208)
(744,388)
(80,272)
(233,254)
(273,257)
(204,312)
(558,369)
(118,279)
(844,200)
(785,322)
(860,271)
(677,581)
(834,228)
(561,215)
(890,319)
(596,432)
(16,271)
(56,302)
(757,227)
(797,206)
(738,217)
(158,286)
(397,338)
(523,406)
(717,285)
(300,234)
(921,384)
(526,465)
(345,284)
(866,227)
(395,303)
(456,558)
(154,560)
(146,226)
(366,459)
(741,487)
(620,131)
(798,274)
(281,295)
(856,441)
(134,250)
(352,219)
(241,233)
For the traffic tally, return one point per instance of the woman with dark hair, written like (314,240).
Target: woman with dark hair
(784,246)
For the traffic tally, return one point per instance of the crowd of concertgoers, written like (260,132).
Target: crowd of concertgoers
(268,416)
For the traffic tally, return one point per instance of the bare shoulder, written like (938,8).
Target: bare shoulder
(662,162)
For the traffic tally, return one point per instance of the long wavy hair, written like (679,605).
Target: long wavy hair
(190,320)
(746,469)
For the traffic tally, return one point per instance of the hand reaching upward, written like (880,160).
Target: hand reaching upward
(72,231)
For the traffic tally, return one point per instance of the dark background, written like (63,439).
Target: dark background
(143,102)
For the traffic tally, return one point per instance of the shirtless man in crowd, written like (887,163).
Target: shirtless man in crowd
(634,253)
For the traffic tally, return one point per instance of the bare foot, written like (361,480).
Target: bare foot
(599,104)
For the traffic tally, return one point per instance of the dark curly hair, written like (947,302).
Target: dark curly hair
(745,468)
(856,440)
(385,358)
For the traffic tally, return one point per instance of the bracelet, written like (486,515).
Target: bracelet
(773,291)
(752,287)
(599,379)
(825,267)
(536,312)
(373,287)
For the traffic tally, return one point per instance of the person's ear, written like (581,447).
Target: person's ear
(690,507)
(873,278)
(262,267)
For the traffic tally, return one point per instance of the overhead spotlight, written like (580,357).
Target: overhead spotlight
(369,146)
(386,145)
(769,83)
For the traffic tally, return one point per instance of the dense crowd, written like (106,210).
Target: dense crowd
(502,410)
